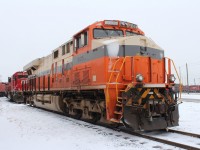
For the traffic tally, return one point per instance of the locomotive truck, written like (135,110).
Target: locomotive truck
(109,72)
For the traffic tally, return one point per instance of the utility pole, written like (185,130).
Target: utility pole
(187,78)
(180,74)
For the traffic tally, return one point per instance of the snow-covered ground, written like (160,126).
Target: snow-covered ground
(23,127)
(189,114)
(191,96)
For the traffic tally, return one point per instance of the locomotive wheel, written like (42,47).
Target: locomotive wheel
(66,110)
(95,117)
(77,113)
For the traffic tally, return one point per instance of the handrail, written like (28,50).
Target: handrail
(107,94)
(116,81)
(124,59)
(180,83)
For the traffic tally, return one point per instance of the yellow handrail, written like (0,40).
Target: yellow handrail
(180,83)
(116,81)
(119,74)
(107,94)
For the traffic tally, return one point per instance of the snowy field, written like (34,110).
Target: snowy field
(191,96)
(23,127)
(189,112)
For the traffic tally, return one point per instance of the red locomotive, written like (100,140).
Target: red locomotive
(108,72)
(2,89)
(14,92)
(191,88)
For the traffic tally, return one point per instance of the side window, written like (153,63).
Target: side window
(71,46)
(85,38)
(68,47)
(79,42)
(63,50)
(55,54)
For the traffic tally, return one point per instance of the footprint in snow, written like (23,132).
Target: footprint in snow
(126,138)
(133,140)
(143,143)
(157,147)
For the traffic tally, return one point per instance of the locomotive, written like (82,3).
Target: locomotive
(3,89)
(109,72)
(14,87)
(191,89)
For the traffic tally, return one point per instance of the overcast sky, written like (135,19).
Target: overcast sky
(33,28)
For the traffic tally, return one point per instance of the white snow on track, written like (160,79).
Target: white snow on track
(27,128)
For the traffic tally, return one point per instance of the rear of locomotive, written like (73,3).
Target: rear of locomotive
(2,89)
(15,92)
(139,91)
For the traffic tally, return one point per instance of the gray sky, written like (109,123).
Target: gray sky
(33,28)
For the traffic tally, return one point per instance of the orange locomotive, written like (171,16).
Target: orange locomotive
(109,72)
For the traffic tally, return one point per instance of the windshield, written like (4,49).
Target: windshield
(101,33)
(129,33)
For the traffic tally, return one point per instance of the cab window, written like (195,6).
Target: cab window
(81,40)
(103,33)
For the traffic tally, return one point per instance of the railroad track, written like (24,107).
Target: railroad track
(157,139)
(172,143)
(143,135)
(184,133)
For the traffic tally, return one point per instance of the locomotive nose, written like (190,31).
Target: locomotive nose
(136,119)
(148,109)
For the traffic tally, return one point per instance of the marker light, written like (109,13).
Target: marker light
(172,78)
(139,78)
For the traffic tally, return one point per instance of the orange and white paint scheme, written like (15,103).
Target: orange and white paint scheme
(108,72)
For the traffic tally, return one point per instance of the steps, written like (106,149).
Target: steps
(114,79)
(118,113)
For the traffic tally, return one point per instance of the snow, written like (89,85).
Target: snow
(191,96)
(189,116)
(24,127)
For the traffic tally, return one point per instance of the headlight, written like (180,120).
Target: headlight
(172,78)
(139,78)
